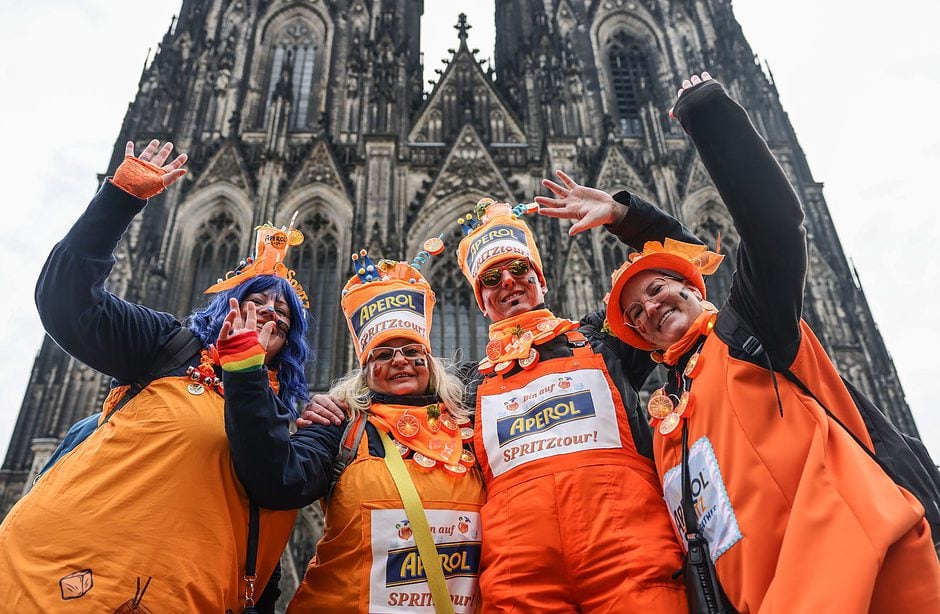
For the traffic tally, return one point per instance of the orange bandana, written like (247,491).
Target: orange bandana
(513,338)
(430,430)
(702,325)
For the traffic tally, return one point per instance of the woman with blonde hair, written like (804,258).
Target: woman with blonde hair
(399,483)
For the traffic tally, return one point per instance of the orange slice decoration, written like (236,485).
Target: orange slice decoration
(546,326)
(660,405)
(693,367)
(407,426)
(669,424)
(402,449)
(466,433)
(531,360)
(448,423)
(423,462)
(467,458)
(494,349)
(434,246)
(461,421)
(455,470)
(434,424)
(683,405)
(503,366)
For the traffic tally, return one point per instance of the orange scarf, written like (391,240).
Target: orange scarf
(702,325)
(512,338)
(429,430)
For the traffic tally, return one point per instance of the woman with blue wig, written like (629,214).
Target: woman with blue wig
(147,514)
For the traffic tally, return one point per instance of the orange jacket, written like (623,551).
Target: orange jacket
(797,516)
(151,494)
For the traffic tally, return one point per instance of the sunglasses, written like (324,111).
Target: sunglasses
(490,277)
(382,355)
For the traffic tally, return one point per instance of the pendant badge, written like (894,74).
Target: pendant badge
(195,389)
(659,405)
(407,426)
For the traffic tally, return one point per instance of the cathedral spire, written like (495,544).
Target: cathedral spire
(462,27)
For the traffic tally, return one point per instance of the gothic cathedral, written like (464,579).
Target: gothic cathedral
(319,107)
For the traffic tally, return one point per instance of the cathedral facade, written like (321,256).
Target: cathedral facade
(319,107)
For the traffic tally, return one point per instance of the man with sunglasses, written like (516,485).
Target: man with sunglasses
(574,519)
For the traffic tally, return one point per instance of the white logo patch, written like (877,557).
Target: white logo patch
(715,515)
(397,579)
(554,414)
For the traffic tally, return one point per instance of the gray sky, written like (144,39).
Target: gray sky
(856,83)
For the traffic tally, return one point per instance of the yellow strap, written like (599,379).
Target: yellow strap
(419,527)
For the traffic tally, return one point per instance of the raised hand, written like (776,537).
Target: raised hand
(689,84)
(589,206)
(692,82)
(147,175)
(157,155)
(234,324)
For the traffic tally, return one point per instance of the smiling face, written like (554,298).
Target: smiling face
(270,306)
(513,295)
(402,375)
(659,308)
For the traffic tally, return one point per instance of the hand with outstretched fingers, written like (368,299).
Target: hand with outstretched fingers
(234,324)
(148,174)
(589,206)
(323,409)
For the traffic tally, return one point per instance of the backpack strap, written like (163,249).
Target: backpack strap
(182,347)
(348,449)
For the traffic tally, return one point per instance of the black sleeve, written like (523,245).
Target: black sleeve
(645,221)
(771,263)
(106,333)
(279,471)
(635,365)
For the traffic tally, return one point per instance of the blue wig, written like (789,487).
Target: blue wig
(206,322)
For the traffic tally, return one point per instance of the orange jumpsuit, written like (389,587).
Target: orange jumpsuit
(798,517)
(367,560)
(574,519)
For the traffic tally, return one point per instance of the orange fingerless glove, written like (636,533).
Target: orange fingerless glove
(139,178)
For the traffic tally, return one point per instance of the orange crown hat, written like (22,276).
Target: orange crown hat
(689,260)
(497,234)
(271,247)
(388,300)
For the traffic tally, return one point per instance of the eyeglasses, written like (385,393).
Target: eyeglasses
(490,277)
(382,355)
(281,317)
(657,290)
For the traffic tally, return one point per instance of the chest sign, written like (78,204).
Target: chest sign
(710,498)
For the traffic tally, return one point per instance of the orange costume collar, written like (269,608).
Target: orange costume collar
(431,432)
(513,338)
(702,325)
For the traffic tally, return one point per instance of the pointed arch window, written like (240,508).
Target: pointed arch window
(613,252)
(630,80)
(291,75)
(458,322)
(319,269)
(216,249)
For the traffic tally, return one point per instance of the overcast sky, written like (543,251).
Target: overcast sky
(859,86)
